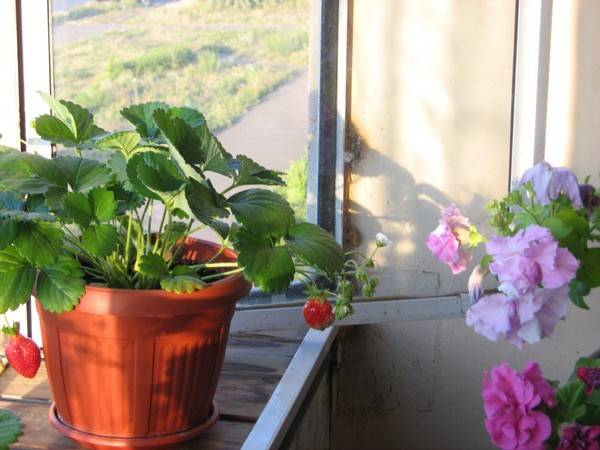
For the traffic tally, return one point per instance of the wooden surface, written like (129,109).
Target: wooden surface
(253,366)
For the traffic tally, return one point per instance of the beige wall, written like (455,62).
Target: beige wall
(430,109)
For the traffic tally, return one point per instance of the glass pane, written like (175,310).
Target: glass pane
(242,63)
(9,77)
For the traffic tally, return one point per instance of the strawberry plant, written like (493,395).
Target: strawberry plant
(74,220)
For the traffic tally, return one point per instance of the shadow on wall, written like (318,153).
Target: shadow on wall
(411,211)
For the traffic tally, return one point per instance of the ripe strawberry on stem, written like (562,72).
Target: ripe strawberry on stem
(318,313)
(22,353)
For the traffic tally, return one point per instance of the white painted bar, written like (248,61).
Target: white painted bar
(531,84)
(272,425)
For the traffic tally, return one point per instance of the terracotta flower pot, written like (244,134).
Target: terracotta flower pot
(138,369)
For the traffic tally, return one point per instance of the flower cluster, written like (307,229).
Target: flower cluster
(541,254)
(524,411)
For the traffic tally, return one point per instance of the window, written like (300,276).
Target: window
(264,73)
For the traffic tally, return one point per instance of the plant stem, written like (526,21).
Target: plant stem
(128,238)
(222,274)
(160,229)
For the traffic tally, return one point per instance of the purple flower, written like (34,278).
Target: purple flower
(591,377)
(549,182)
(510,400)
(589,198)
(475,284)
(577,437)
(445,241)
(525,319)
(529,259)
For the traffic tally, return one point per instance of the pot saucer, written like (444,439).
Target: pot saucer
(161,442)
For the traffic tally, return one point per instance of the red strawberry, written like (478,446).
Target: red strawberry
(22,353)
(318,313)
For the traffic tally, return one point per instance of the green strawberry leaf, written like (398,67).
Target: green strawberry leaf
(78,208)
(28,173)
(126,142)
(317,247)
(141,117)
(100,240)
(83,174)
(268,267)
(71,124)
(60,285)
(216,158)
(193,118)
(181,137)
(250,172)
(103,204)
(10,428)
(9,230)
(159,174)
(204,202)
(17,277)
(182,279)
(39,242)
(262,211)
(154,266)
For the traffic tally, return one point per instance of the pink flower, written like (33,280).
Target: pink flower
(549,182)
(445,241)
(528,259)
(510,400)
(591,377)
(577,437)
(526,319)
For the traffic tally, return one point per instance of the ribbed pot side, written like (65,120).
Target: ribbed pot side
(140,363)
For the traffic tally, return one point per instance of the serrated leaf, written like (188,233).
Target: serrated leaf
(557,227)
(28,173)
(83,174)
(133,177)
(182,280)
(262,211)
(17,277)
(578,290)
(193,118)
(71,125)
(9,201)
(125,142)
(159,174)
(570,399)
(317,247)
(216,158)
(268,267)
(204,202)
(100,240)
(39,242)
(250,172)
(103,204)
(60,285)
(9,229)
(10,429)
(78,208)
(180,135)
(141,117)
(154,266)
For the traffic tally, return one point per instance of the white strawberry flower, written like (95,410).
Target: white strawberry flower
(381,240)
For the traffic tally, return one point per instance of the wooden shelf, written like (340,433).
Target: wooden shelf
(254,364)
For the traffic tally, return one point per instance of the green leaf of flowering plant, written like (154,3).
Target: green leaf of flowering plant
(60,285)
(317,247)
(269,267)
(28,173)
(17,276)
(578,290)
(10,429)
(182,139)
(262,211)
(589,271)
(204,202)
(182,279)
(570,402)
